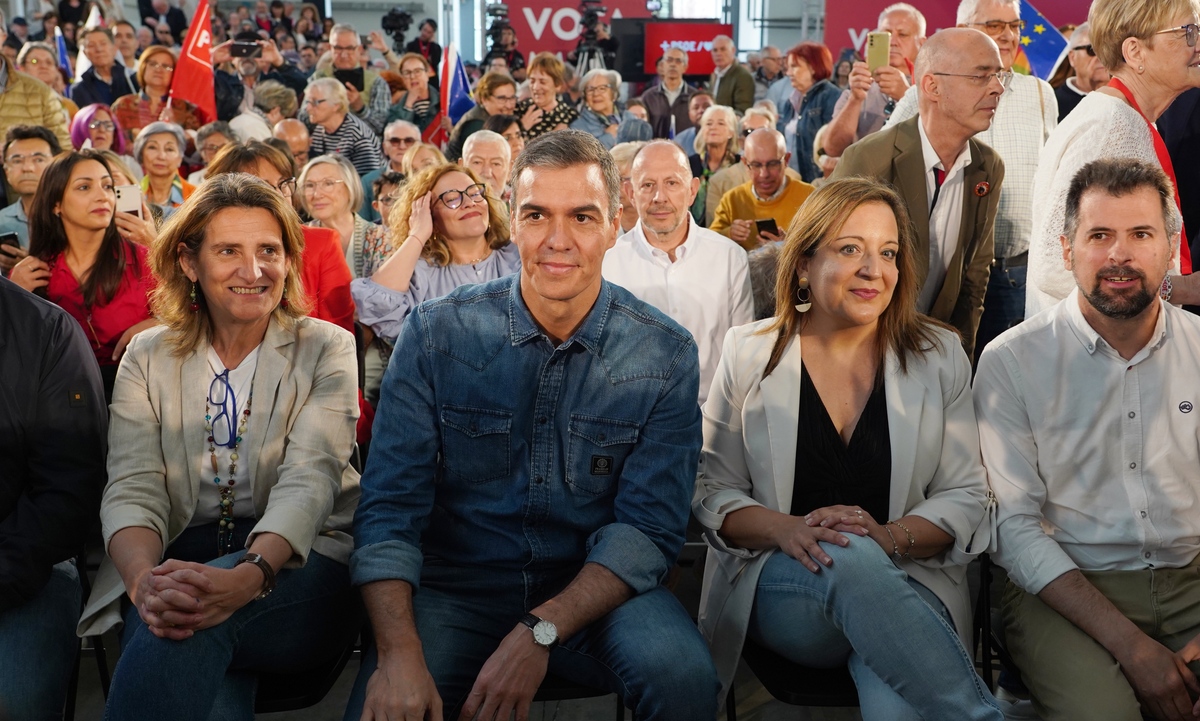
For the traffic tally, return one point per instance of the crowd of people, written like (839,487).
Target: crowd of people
(315,377)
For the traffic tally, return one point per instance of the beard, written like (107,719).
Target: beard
(1121,306)
(669,226)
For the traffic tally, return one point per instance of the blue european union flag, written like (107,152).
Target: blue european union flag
(1042,44)
(61,45)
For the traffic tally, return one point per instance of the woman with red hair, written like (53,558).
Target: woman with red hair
(809,66)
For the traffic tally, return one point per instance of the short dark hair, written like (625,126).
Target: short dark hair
(388,177)
(1118,177)
(566,149)
(31,132)
(126,22)
(430,22)
(499,123)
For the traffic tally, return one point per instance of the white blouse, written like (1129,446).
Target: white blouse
(241,380)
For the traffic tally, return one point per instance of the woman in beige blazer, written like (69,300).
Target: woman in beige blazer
(807,454)
(229,492)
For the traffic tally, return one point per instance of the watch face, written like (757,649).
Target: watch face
(545,633)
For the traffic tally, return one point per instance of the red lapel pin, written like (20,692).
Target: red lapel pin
(982,189)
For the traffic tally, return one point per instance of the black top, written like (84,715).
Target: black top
(1067,100)
(832,473)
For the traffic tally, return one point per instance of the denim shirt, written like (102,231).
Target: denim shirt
(816,110)
(493,448)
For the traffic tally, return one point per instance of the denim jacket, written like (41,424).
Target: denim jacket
(493,448)
(816,110)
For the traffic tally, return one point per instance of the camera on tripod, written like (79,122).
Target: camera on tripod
(590,12)
(395,24)
(498,13)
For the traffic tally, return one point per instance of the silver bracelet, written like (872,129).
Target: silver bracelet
(895,548)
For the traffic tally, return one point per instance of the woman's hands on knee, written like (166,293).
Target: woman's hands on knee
(851,519)
(169,603)
(801,540)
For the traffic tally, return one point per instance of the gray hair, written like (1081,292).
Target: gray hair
(759,111)
(764,270)
(612,76)
(777,52)
(912,12)
(624,153)
(217,127)
(486,136)
(345,28)
(35,45)
(567,149)
(334,91)
(968,9)
(1119,177)
(401,124)
(270,94)
(731,120)
(754,56)
(344,168)
(725,38)
(1081,29)
(158,127)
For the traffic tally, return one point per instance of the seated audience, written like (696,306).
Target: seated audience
(159,150)
(601,113)
(237,79)
(847,409)
(140,228)
(28,149)
(210,139)
(495,94)
(699,102)
(385,189)
(1088,73)
(509,128)
(295,134)
(105,81)
(398,137)
(72,236)
(637,109)
(489,156)
(338,131)
(370,104)
(810,107)
(1084,427)
(580,592)
(217,582)
(667,103)
(697,277)
(273,103)
(934,156)
(623,155)
(26,100)
(1115,121)
(39,60)
(731,84)
(723,181)
(156,67)
(715,149)
(542,111)
(770,194)
(764,266)
(420,156)
(418,104)
(53,427)
(94,126)
(331,193)
(324,273)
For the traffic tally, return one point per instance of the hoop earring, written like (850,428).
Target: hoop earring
(195,304)
(804,296)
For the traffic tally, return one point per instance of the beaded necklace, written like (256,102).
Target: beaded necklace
(227,494)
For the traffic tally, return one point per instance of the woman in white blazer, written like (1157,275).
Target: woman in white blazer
(230,493)
(807,454)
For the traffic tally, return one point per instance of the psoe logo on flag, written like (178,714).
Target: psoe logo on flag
(200,49)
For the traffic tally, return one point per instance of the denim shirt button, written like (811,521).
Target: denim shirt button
(539,480)
(541,420)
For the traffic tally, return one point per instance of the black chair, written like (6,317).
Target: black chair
(293,691)
(794,684)
(97,644)
(557,688)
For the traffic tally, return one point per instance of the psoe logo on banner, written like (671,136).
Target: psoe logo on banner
(200,49)
(558,22)
(688,46)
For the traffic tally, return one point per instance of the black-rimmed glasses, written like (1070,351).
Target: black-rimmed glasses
(224,420)
(1091,51)
(287,186)
(453,199)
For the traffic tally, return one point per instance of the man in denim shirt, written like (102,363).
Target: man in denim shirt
(534,457)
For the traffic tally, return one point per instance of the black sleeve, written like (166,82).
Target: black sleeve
(291,76)
(64,473)
(229,91)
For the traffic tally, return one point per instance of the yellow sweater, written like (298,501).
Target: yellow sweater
(740,204)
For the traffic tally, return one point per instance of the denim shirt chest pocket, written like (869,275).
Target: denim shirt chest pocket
(597,452)
(476,443)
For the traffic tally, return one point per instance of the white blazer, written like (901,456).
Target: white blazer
(749,459)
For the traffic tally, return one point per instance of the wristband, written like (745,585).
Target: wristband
(268,573)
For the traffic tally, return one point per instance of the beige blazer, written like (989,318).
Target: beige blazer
(749,459)
(305,409)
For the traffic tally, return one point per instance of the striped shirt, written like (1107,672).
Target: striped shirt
(1017,136)
(353,140)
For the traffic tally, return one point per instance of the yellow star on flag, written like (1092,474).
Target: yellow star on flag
(1026,40)
(1039,28)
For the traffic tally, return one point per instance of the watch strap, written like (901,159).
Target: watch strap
(531,621)
(268,573)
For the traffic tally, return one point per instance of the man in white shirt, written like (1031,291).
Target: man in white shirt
(1088,432)
(699,278)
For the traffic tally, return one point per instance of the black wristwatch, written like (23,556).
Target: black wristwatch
(267,571)
(545,633)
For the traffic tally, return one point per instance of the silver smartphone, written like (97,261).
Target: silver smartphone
(129,199)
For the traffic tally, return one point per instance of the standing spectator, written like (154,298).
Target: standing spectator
(105,81)
(331,194)
(398,137)
(38,59)
(810,106)
(495,94)
(489,157)
(509,128)
(25,100)
(865,106)
(295,134)
(155,70)
(697,277)
(731,85)
(53,437)
(700,101)
(72,236)
(715,148)
(416,104)
(1088,72)
(372,102)
(769,73)
(542,111)
(72,11)
(737,174)
(159,150)
(210,139)
(308,61)
(769,194)
(235,90)
(308,26)
(28,149)
(337,130)
(425,44)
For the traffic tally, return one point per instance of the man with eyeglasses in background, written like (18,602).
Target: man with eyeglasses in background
(28,149)
(386,189)
(296,135)
(769,73)
(1027,112)
(726,179)
(670,98)
(770,195)
(368,96)
(1090,73)
(337,130)
(398,137)
(488,155)
(949,179)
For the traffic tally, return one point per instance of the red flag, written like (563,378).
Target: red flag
(193,80)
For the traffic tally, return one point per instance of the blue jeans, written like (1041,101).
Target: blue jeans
(38,647)
(647,650)
(1003,304)
(904,655)
(306,622)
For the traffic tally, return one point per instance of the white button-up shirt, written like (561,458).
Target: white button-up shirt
(1095,460)
(945,217)
(706,289)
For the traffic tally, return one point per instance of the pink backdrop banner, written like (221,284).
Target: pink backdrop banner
(847,23)
(553,25)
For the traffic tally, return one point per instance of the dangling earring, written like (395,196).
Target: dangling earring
(803,296)
(284,302)
(195,304)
